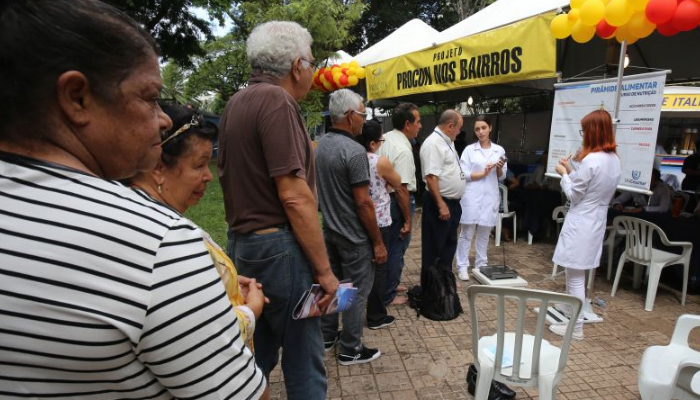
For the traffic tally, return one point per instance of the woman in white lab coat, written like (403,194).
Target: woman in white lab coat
(589,188)
(484,164)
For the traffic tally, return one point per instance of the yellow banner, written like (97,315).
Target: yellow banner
(521,51)
(681,102)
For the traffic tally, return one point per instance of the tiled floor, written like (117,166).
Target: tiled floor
(423,359)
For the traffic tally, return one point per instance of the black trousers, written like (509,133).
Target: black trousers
(438,237)
(376,311)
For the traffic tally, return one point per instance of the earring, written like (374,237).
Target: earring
(160,188)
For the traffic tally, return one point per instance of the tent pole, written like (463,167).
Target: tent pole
(618,93)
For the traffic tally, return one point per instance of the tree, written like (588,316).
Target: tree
(222,71)
(382,17)
(173,24)
(173,84)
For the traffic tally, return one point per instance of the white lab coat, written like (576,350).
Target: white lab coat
(481,197)
(590,189)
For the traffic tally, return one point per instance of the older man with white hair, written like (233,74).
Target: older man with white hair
(350,227)
(266,169)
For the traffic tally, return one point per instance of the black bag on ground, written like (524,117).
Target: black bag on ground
(439,300)
(414,298)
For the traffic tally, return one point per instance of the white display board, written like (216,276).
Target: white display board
(637,127)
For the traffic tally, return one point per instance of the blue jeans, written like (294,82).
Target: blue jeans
(354,262)
(277,261)
(397,248)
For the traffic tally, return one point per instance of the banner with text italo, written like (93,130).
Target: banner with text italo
(520,51)
(640,110)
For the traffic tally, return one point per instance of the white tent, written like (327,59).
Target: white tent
(411,36)
(500,13)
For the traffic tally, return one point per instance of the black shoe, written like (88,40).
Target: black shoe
(363,356)
(497,388)
(329,345)
(386,321)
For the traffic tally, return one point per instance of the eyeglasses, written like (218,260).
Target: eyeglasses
(580,131)
(364,114)
(183,129)
(311,63)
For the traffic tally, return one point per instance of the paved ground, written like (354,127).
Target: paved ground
(423,359)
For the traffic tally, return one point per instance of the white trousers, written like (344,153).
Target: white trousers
(464,245)
(576,286)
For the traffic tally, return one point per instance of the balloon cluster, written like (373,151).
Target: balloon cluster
(328,79)
(628,20)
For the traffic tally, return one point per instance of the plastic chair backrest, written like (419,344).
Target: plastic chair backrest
(639,236)
(522,296)
(685,324)
(525,178)
(504,198)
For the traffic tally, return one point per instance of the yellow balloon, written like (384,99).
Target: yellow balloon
(560,26)
(591,12)
(350,71)
(638,5)
(582,33)
(639,26)
(618,12)
(360,73)
(344,65)
(576,3)
(574,15)
(327,85)
(353,80)
(354,64)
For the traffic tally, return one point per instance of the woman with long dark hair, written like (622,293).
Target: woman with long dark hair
(484,164)
(589,188)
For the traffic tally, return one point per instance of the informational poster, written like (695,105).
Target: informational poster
(637,125)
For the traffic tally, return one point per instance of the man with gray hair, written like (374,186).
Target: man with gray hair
(266,170)
(350,227)
(446,183)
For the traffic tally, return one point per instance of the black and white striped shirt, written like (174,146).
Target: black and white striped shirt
(105,294)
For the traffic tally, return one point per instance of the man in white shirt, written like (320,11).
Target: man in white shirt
(660,201)
(446,183)
(397,148)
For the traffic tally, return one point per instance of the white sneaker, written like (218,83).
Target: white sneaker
(561,331)
(463,275)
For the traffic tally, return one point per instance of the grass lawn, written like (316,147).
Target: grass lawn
(209,213)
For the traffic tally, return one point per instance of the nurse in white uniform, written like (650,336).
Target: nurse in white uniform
(484,165)
(589,188)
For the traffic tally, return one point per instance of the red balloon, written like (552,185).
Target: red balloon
(343,80)
(667,29)
(329,75)
(605,30)
(317,81)
(660,11)
(687,15)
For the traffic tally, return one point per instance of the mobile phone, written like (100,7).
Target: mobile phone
(504,158)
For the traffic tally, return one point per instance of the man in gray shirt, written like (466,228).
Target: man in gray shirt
(351,232)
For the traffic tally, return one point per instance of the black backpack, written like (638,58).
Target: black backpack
(437,297)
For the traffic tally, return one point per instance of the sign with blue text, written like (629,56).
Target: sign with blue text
(641,98)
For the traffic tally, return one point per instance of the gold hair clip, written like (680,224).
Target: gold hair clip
(183,129)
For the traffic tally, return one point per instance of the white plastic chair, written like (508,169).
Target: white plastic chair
(536,362)
(668,372)
(639,249)
(505,214)
(558,216)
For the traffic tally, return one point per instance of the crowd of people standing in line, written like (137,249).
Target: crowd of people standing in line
(102,276)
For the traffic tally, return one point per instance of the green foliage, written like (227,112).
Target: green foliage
(328,21)
(177,30)
(382,17)
(223,70)
(173,84)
